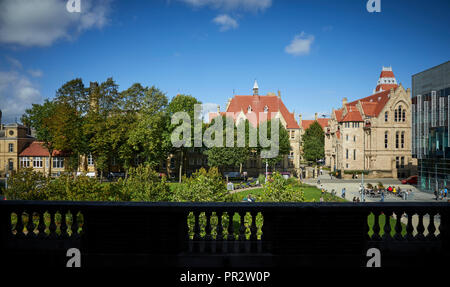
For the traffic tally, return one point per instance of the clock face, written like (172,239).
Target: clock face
(11,133)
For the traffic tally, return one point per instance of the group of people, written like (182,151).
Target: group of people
(441,194)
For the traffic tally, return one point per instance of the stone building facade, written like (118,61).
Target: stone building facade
(252,107)
(373,134)
(13,139)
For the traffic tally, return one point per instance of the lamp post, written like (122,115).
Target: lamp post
(266,170)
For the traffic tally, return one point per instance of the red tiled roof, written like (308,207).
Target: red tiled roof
(353,115)
(385,87)
(323,123)
(387,74)
(37,149)
(257,103)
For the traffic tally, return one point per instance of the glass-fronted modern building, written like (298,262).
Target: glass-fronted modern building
(430,126)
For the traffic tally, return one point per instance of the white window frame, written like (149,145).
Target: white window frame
(38,162)
(24,162)
(10,147)
(58,162)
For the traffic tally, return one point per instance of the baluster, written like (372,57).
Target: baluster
(230,236)
(208,229)
(420,226)
(431,227)
(63,226)
(208,226)
(376,226)
(74,225)
(387,225)
(398,226)
(253,227)
(219,230)
(253,233)
(409,226)
(30,226)
(441,228)
(41,225)
(242,226)
(19,225)
(52,226)
(197,226)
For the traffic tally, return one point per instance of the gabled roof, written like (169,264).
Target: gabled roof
(352,115)
(257,104)
(322,122)
(37,149)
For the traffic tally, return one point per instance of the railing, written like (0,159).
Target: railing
(223,234)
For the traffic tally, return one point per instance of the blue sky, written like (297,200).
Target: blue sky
(314,51)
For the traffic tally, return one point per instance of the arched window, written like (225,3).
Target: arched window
(403,115)
(249,109)
(386,116)
(399,113)
(395,115)
(266,109)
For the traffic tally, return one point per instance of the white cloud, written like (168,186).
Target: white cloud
(246,5)
(35,73)
(300,45)
(225,22)
(16,64)
(42,22)
(17,93)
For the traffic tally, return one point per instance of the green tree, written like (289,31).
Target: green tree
(202,186)
(224,156)
(284,145)
(41,118)
(72,103)
(150,138)
(98,123)
(314,142)
(183,103)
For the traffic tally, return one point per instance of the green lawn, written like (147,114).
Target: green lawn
(311,193)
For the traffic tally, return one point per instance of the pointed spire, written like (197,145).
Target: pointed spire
(255,88)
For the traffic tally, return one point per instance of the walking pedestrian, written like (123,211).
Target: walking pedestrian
(382,195)
(436,194)
(343,192)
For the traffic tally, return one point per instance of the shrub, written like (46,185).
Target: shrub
(202,186)
(26,184)
(261,179)
(144,184)
(277,189)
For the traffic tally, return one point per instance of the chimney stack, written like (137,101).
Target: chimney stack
(344,102)
(300,120)
(279,94)
(218,109)
(315,116)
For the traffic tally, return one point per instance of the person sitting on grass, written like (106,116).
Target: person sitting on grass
(249,198)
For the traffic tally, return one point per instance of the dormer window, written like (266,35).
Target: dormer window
(266,109)
(249,109)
